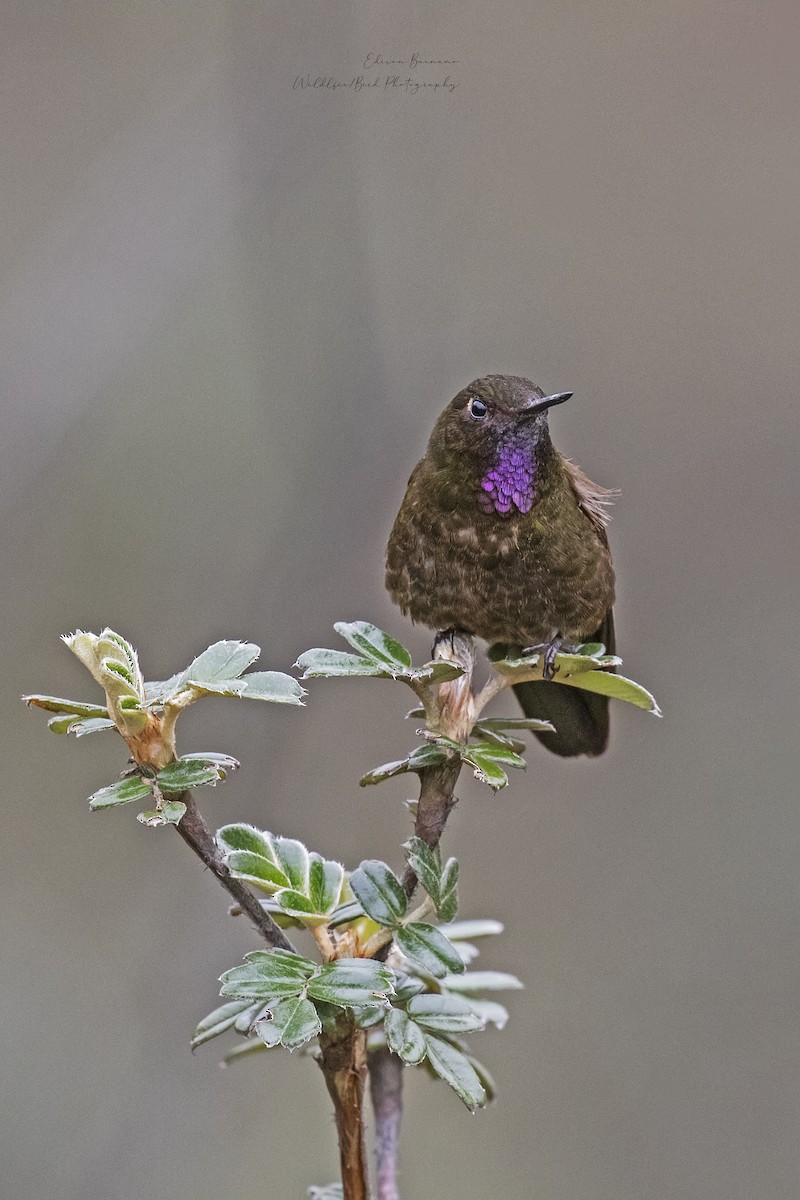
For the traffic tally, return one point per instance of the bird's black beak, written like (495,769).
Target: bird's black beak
(537,405)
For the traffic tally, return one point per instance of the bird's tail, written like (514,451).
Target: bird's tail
(580,718)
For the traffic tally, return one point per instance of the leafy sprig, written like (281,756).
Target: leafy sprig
(490,746)
(145,715)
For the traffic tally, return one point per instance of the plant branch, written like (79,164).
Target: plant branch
(344,1065)
(453,717)
(493,686)
(386,1092)
(436,802)
(196,834)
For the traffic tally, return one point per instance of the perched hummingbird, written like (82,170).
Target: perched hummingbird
(501,537)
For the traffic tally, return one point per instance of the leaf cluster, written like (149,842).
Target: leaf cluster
(145,715)
(303,885)
(492,747)
(587,667)
(420,1003)
(376,655)
(131,701)
(190,771)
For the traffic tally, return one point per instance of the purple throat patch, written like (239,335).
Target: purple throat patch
(510,482)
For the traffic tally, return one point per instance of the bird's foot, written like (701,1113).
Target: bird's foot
(550,650)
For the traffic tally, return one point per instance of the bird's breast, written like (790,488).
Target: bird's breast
(476,559)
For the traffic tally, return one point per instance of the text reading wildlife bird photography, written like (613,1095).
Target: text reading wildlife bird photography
(498,538)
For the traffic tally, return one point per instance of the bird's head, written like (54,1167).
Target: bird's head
(496,411)
(492,441)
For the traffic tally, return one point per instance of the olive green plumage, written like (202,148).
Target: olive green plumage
(503,538)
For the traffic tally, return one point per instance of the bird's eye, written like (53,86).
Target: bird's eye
(477,408)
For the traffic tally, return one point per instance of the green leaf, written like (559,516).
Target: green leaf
(426,865)
(489,1085)
(379,892)
(259,685)
(91,725)
(180,776)
(298,905)
(466,930)
(497,754)
(495,738)
(284,862)
(255,869)
(407,986)
(615,686)
(428,949)
(496,724)
(220,1020)
(577,664)
(294,860)
(113,664)
(272,686)
(367,1016)
(210,756)
(61,723)
(386,771)
(455,1068)
(483,981)
(268,975)
(344,913)
(74,708)
(375,644)
(510,661)
(404,1037)
(244,1022)
(172,811)
(216,687)
(351,981)
(133,787)
(330,664)
(427,755)
(487,771)
(281,918)
(447,904)
(160,691)
(440,883)
(244,837)
(439,671)
(150,817)
(325,880)
(290,1023)
(488,761)
(223,660)
(443,1014)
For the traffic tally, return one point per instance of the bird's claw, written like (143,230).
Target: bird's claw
(550,650)
(549,668)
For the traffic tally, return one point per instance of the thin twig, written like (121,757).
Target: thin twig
(344,1064)
(455,716)
(436,802)
(196,834)
(386,1092)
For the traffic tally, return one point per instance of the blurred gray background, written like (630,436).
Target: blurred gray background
(230,311)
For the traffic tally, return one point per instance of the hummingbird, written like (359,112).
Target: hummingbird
(501,537)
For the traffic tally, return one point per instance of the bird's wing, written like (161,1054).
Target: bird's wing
(592,498)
